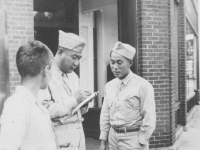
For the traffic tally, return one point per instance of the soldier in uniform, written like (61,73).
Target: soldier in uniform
(128,115)
(63,93)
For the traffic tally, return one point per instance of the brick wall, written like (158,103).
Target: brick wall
(156,62)
(20,28)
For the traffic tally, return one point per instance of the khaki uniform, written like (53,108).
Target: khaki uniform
(128,104)
(59,101)
(25,123)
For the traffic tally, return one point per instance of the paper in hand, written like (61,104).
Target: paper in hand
(93,95)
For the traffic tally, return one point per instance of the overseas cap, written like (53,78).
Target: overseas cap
(125,50)
(71,41)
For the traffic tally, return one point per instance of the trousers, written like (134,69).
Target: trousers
(124,141)
(71,134)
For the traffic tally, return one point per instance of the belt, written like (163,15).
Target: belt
(121,130)
(68,126)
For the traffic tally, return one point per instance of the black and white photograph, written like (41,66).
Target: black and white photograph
(99,75)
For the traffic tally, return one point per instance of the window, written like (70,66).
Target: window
(191,68)
(191,61)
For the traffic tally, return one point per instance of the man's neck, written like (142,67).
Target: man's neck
(32,85)
(125,76)
(57,61)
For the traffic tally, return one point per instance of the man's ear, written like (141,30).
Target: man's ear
(60,51)
(131,63)
(46,70)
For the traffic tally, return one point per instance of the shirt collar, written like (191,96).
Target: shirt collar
(127,78)
(25,93)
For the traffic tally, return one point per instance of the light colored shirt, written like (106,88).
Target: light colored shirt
(25,123)
(129,103)
(59,97)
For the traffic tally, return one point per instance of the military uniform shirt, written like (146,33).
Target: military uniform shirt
(59,97)
(128,103)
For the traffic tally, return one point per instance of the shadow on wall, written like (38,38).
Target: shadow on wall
(2,100)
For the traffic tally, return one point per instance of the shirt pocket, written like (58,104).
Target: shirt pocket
(132,102)
(130,108)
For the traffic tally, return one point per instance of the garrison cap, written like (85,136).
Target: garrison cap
(124,50)
(71,41)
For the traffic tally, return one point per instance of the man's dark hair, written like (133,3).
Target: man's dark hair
(32,58)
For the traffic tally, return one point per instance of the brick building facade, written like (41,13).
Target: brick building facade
(16,28)
(158,28)
(156,62)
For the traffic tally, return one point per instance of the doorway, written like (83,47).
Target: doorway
(50,16)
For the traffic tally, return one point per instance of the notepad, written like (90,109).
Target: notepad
(93,95)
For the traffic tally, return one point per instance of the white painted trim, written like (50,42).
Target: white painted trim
(86,62)
(96,7)
(189,37)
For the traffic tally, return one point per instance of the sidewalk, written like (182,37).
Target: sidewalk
(92,144)
(190,140)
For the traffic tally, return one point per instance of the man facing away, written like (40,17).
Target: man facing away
(128,113)
(25,123)
(63,93)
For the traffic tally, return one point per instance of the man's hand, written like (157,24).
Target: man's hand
(103,145)
(80,95)
(88,92)
(64,145)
